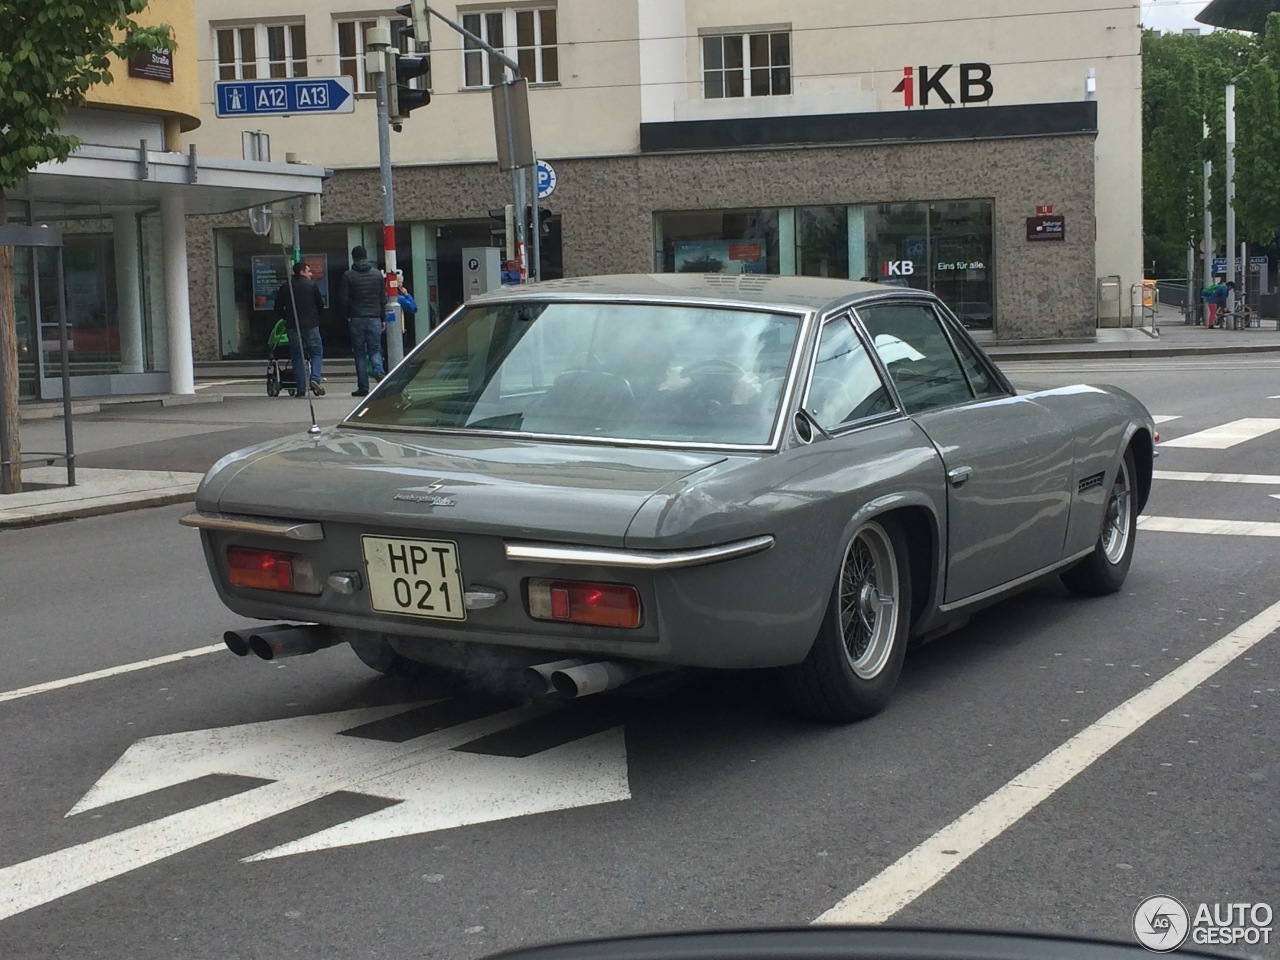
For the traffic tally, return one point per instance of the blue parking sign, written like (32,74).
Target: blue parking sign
(546,180)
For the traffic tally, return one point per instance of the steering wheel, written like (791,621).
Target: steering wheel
(708,365)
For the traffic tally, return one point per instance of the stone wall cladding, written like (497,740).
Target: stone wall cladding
(1044,290)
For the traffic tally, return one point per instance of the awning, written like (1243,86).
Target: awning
(100,177)
(1249,15)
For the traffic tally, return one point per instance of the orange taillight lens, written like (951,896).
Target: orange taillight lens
(270,570)
(594,604)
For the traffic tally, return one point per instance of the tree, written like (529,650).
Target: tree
(52,52)
(1184,84)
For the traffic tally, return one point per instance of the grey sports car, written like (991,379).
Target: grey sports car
(585,481)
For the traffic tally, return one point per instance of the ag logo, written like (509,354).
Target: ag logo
(975,84)
(898,268)
(1161,924)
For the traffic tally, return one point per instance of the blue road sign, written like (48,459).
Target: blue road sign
(1255,264)
(258,98)
(546,180)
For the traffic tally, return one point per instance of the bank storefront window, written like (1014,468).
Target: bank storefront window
(735,241)
(941,246)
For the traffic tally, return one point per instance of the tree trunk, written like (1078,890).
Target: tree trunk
(10,422)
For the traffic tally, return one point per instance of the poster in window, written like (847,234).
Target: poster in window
(270,272)
(720,256)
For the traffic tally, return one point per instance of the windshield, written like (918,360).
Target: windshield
(650,372)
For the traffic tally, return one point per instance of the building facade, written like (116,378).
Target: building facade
(991,153)
(121,203)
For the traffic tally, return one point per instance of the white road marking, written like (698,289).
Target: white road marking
(1226,435)
(65,682)
(1222,528)
(1264,479)
(308,758)
(1160,420)
(205,385)
(921,869)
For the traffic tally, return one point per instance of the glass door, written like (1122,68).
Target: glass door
(26,311)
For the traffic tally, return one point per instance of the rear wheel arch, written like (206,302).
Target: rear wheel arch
(920,528)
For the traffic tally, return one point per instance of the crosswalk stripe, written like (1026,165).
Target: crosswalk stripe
(1226,435)
(1159,420)
(1263,479)
(1222,528)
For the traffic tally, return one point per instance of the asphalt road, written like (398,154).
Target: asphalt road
(707,805)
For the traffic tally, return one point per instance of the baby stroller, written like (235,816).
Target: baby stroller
(279,371)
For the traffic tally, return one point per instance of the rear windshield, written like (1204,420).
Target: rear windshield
(682,374)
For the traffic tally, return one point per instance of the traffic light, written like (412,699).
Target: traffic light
(505,236)
(544,220)
(403,96)
(415,63)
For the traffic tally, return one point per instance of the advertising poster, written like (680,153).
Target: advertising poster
(720,256)
(270,272)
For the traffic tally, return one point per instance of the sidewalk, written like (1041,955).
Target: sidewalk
(135,452)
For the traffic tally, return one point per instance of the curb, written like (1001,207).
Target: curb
(31,517)
(1127,353)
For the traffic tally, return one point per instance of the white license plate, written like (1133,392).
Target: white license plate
(416,578)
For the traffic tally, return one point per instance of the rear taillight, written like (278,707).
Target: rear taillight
(576,601)
(271,570)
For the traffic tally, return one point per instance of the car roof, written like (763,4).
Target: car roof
(756,290)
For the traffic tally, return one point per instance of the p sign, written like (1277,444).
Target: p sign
(546,180)
(898,268)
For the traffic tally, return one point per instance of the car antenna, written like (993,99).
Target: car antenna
(297,326)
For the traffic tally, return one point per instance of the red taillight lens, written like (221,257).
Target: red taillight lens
(270,570)
(574,601)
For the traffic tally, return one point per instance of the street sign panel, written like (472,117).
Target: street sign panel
(261,98)
(1255,264)
(546,180)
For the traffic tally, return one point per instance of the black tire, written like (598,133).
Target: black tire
(1103,572)
(377,654)
(841,685)
(273,388)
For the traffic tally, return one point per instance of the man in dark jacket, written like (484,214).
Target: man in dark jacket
(362,298)
(302,290)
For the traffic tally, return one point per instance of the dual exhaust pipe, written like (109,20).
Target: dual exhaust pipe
(571,679)
(568,679)
(281,641)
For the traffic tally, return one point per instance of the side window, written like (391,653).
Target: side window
(984,385)
(915,349)
(845,385)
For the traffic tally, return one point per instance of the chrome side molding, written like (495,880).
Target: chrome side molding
(289,529)
(635,559)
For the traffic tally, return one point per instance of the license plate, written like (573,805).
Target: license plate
(416,578)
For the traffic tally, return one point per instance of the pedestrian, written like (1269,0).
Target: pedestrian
(361,298)
(303,328)
(1215,295)
(409,307)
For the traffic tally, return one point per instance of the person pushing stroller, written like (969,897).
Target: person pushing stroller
(310,307)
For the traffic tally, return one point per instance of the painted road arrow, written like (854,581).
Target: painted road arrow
(444,779)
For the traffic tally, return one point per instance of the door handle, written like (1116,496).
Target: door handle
(959,476)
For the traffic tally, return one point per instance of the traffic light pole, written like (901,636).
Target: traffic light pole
(395,341)
(518,183)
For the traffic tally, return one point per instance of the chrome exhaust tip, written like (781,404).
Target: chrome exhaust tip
(291,641)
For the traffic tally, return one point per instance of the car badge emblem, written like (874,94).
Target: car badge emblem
(427,495)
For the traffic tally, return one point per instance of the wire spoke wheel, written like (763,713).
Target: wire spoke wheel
(869,608)
(1115,529)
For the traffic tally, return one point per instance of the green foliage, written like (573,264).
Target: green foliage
(1184,89)
(51,53)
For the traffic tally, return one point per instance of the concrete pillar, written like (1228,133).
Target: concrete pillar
(173,227)
(128,292)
